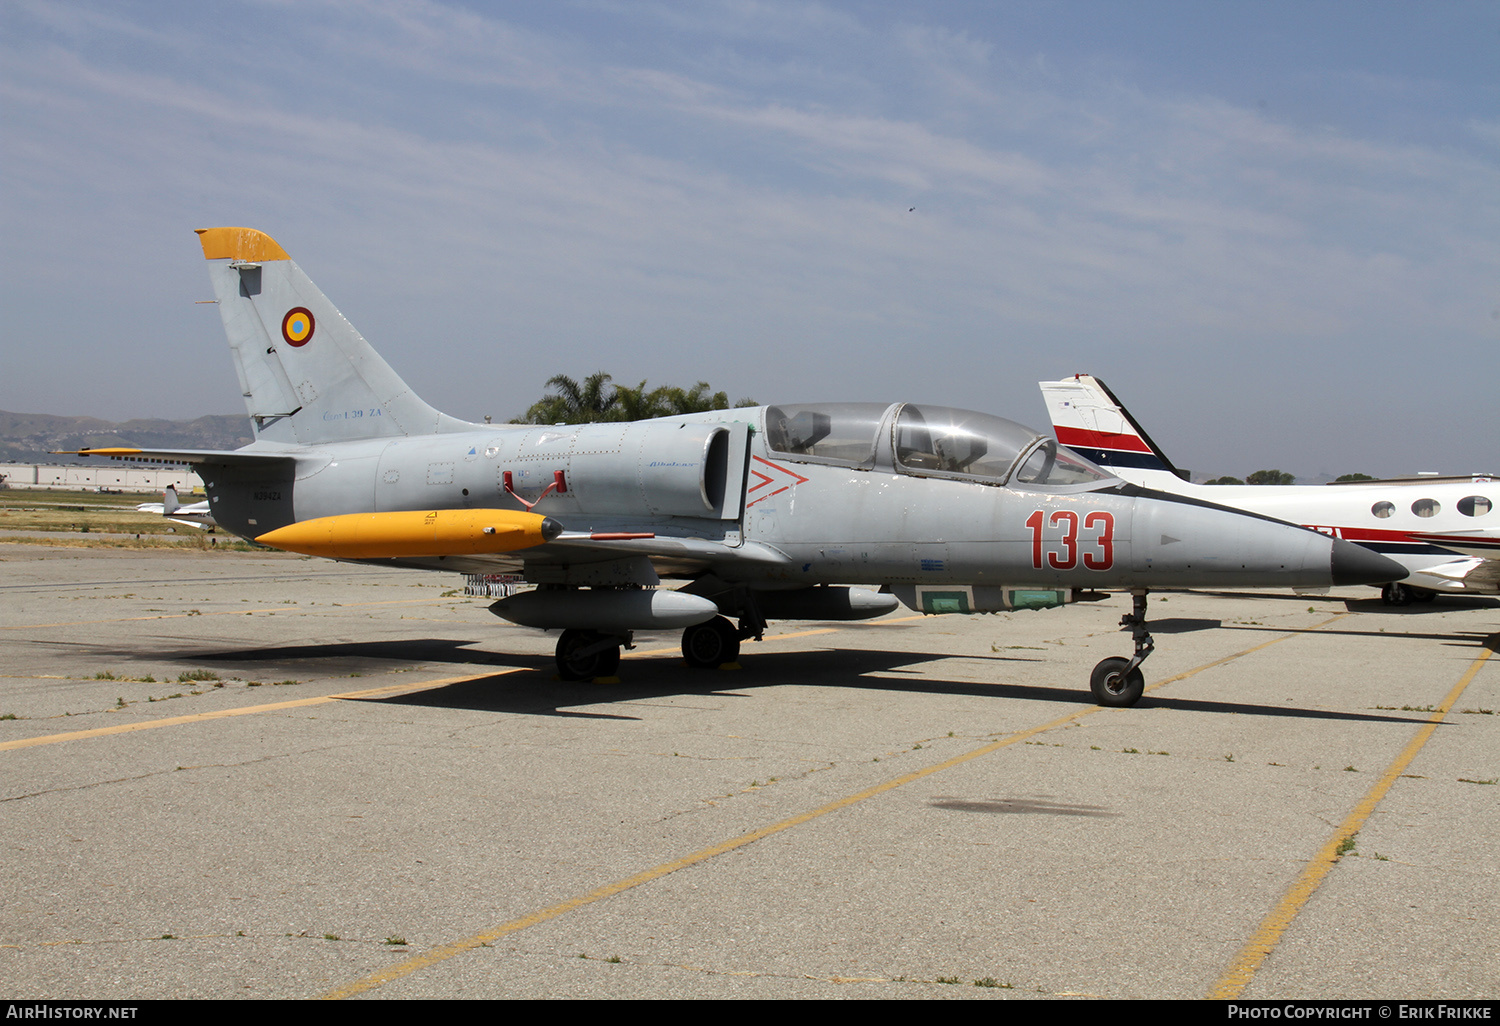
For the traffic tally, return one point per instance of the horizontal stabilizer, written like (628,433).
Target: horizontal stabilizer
(216,457)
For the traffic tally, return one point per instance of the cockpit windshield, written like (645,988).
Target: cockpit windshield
(1052,464)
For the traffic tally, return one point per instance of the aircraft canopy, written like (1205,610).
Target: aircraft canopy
(927,441)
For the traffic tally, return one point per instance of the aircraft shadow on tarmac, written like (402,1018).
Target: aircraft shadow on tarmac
(1444,603)
(534,690)
(526,684)
(1462,639)
(1441,604)
(1182,625)
(850,669)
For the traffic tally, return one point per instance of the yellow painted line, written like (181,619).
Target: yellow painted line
(796,634)
(1265,939)
(386,692)
(447,951)
(129,619)
(248,710)
(636,654)
(225,612)
(1254,648)
(803,634)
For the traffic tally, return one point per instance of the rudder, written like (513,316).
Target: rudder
(1087,418)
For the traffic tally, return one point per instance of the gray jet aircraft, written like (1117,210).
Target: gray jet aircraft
(767,513)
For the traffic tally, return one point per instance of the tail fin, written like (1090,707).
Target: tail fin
(1088,418)
(169,503)
(307,376)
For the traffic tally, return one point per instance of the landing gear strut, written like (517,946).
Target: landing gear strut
(1117,681)
(584,655)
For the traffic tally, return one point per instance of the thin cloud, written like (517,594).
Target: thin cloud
(732,201)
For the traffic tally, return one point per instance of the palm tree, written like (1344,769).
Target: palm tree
(636,403)
(694,400)
(595,399)
(573,403)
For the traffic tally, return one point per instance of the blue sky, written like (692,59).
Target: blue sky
(1273,228)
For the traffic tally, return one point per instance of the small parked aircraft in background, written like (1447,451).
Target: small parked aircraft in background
(1443,530)
(194,515)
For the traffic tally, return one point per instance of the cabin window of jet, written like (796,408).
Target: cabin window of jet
(1383,509)
(942,442)
(1426,507)
(1474,505)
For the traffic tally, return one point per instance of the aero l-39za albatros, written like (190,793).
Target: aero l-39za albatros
(766,513)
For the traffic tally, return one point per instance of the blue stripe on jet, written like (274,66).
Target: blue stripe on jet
(1390,548)
(1120,458)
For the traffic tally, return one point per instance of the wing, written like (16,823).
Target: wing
(572,553)
(1480,571)
(1483,544)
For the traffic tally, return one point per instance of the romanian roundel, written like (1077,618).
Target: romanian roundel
(297,326)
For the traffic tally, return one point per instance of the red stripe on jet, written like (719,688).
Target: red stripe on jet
(1371,536)
(1363,534)
(1081,438)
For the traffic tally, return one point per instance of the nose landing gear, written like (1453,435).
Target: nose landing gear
(1117,681)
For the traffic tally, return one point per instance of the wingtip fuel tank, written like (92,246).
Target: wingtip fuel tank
(409,534)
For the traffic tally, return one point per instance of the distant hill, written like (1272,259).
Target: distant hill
(29,437)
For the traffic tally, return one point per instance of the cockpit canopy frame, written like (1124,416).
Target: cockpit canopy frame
(925,441)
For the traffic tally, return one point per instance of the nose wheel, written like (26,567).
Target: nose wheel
(1115,682)
(1118,681)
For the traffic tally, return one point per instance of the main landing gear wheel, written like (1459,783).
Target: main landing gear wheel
(584,655)
(1115,683)
(1395,594)
(711,644)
